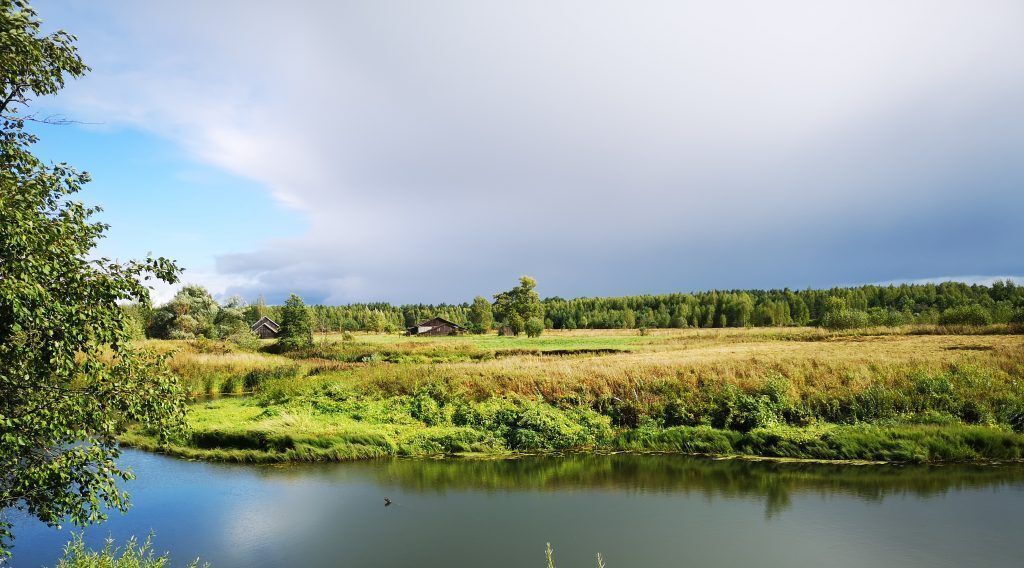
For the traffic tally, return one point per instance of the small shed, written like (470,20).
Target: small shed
(266,328)
(436,326)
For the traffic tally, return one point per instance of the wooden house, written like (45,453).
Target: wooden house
(436,326)
(266,328)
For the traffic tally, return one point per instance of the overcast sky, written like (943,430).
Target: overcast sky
(432,151)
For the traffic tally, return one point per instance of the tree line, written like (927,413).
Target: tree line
(194,312)
(860,306)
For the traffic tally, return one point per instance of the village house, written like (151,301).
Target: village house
(436,326)
(266,328)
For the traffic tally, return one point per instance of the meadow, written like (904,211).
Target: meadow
(910,394)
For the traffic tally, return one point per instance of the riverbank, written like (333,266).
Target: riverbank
(908,395)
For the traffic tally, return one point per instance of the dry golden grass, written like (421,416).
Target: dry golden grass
(688,359)
(644,367)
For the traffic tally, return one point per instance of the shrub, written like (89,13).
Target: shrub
(246,340)
(972,314)
(845,318)
(888,318)
(534,327)
(676,413)
(427,410)
(203,345)
(1017,319)
(133,555)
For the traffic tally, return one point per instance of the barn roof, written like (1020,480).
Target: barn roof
(265,321)
(437,321)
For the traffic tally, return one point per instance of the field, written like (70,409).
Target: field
(893,394)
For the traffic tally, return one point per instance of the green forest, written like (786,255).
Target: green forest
(194,312)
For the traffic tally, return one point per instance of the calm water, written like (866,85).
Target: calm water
(638,511)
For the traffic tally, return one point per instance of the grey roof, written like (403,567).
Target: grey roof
(451,323)
(265,321)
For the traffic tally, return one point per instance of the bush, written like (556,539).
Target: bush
(966,315)
(677,413)
(427,410)
(133,555)
(887,318)
(845,318)
(246,340)
(534,327)
(1017,320)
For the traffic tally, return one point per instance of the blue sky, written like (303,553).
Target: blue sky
(396,151)
(158,200)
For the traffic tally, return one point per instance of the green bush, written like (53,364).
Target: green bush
(890,318)
(972,314)
(1017,319)
(534,327)
(845,318)
(427,410)
(539,426)
(133,555)
(678,413)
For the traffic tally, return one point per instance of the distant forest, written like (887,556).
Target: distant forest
(947,303)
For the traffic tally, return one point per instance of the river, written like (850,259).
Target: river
(637,511)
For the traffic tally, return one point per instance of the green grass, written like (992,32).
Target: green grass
(792,393)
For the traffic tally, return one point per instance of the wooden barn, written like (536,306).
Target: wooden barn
(266,328)
(436,326)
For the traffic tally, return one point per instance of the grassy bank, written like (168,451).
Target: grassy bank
(911,394)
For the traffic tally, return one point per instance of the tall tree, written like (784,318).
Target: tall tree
(519,305)
(481,315)
(69,377)
(296,327)
(191,313)
(256,310)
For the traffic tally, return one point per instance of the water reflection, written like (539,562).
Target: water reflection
(644,511)
(773,482)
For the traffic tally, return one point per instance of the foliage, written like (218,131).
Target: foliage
(971,314)
(908,304)
(845,318)
(257,310)
(188,315)
(133,555)
(296,329)
(481,316)
(534,327)
(193,313)
(516,307)
(880,306)
(70,379)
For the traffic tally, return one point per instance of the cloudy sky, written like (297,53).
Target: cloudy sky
(431,151)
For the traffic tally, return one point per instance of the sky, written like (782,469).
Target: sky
(410,151)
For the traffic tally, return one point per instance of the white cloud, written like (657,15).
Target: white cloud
(220,285)
(444,148)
